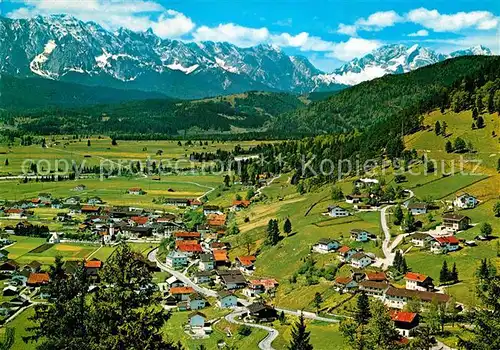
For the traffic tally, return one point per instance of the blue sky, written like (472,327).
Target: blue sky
(327,32)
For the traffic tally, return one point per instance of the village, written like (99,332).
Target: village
(200,273)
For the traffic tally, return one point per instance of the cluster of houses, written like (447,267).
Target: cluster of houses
(376,284)
(355,257)
(23,281)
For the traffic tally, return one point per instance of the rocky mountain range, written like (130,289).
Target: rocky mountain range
(61,47)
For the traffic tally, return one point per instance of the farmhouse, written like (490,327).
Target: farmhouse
(8,266)
(257,287)
(187,236)
(345,253)
(211,209)
(232,279)
(326,245)
(374,288)
(221,258)
(90,209)
(173,282)
(420,239)
(135,191)
(14,213)
(445,244)
(355,198)
(418,208)
(177,202)
(240,204)
(226,299)
(376,276)
(197,319)
(189,247)
(38,279)
(176,260)
(360,260)
(345,284)
(418,281)
(363,182)
(207,262)
(202,277)
(359,235)
(465,201)
(262,312)
(196,301)
(336,212)
(181,293)
(92,267)
(245,263)
(456,222)
(405,322)
(138,220)
(398,297)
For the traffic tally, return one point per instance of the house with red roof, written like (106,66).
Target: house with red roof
(188,247)
(246,263)
(344,284)
(92,267)
(418,281)
(135,191)
(405,322)
(345,253)
(38,279)
(185,236)
(240,204)
(260,286)
(138,220)
(181,293)
(445,244)
(377,276)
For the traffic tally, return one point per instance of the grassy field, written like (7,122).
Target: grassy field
(63,150)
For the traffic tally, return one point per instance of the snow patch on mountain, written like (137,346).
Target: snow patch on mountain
(37,63)
(186,70)
(222,64)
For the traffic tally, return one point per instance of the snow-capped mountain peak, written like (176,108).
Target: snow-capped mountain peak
(61,47)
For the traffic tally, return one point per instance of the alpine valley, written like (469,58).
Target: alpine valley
(63,48)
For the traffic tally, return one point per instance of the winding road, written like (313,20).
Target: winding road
(387,249)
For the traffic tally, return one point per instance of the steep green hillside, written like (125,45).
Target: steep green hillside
(22,94)
(388,97)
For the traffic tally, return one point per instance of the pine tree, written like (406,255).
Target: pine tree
(496,209)
(318,299)
(444,275)
(454,273)
(6,162)
(486,229)
(398,215)
(383,335)
(444,127)
(273,233)
(88,143)
(448,147)
(474,113)
(362,314)
(287,226)
(300,337)
(437,127)
(480,122)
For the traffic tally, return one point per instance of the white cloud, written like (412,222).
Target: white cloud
(379,20)
(138,15)
(354,47)
(376,21)
(346,29)
(432,19)
(172,24)
(303,41)
(232,33)
(421,32)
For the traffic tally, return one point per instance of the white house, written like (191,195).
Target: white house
(359,235)
(365,182)
(173,281)
(337,212)
(418,281)
(418,208)
(226,299)
(420,239)
(326,245)
(197,319)
(207,262)
(176,259)
(465,201)
(360,260)
(345,253)
(135,191)
(445,244)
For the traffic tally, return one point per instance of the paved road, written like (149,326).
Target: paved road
(386,248)
(264,344)
(182,277)
(309,315)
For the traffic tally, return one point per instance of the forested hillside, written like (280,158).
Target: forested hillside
(157,118)
(21,94)
(442,84)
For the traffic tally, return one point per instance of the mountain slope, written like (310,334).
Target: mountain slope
(63,48)
(159,118)
(380,100)
(49,93)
